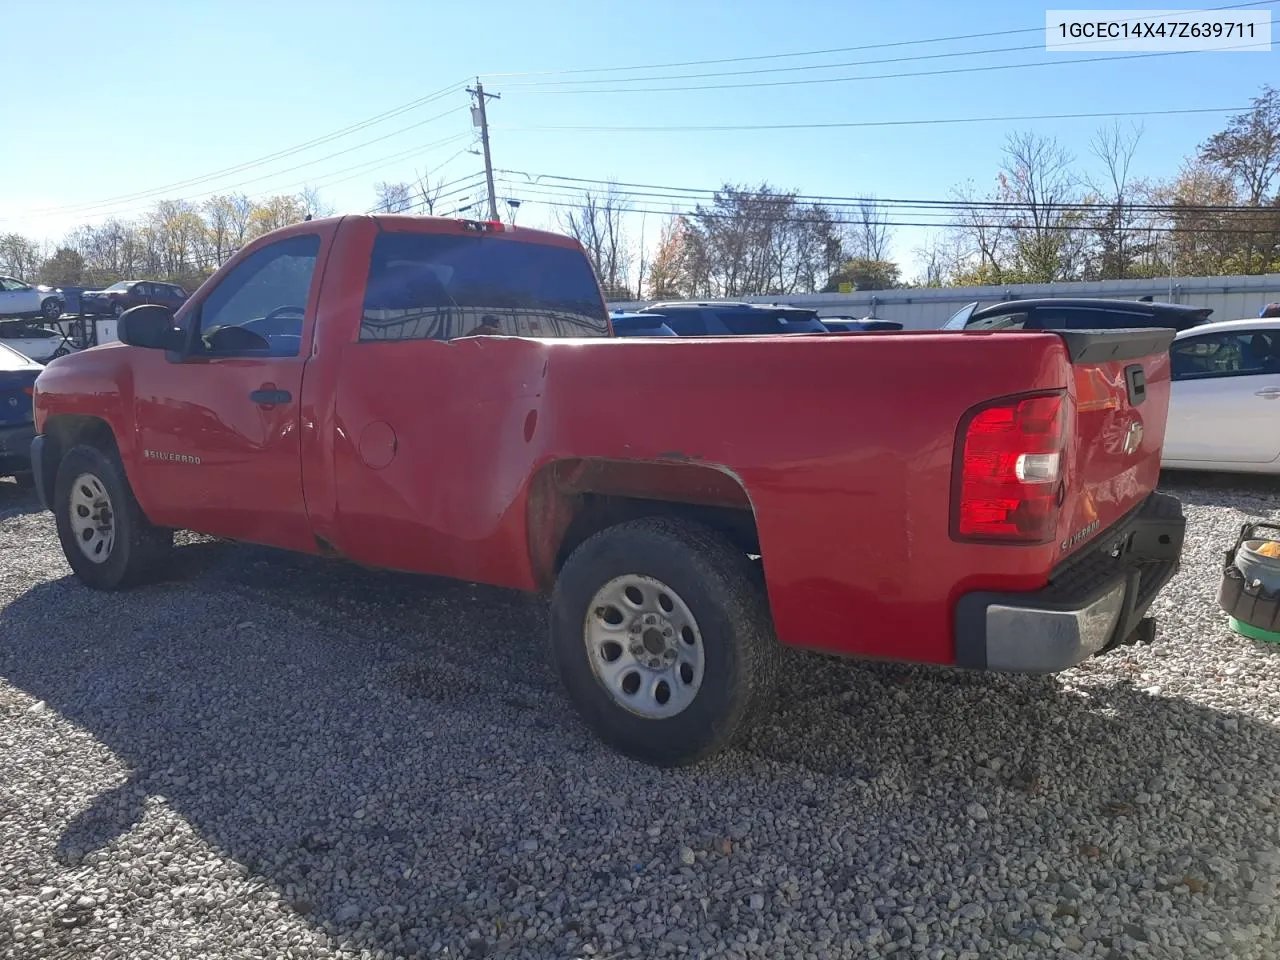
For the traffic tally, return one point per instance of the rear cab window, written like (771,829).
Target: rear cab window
(438,286)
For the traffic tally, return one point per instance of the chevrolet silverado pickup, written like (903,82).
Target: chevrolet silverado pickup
(445,397)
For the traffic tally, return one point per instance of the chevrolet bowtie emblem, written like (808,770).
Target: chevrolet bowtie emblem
(1133,439)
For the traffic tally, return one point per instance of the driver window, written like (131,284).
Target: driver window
(257,309)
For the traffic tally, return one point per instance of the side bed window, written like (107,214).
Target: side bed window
(433,286)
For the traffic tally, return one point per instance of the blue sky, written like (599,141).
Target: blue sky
(180,90)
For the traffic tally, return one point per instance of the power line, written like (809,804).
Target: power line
(1016,228)
(363,168)
(882,76)
(709,128)
(248,164)
(665,191)
(98,208)
(826,51)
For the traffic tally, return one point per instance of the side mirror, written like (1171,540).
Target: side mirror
(149,326)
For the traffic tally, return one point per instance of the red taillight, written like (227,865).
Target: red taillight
(29,391)
(1009,469)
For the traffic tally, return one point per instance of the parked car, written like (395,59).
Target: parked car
(639,325)
(730,319)
(119,297)
(21,299)
(1224,413)
(39,343)
(677,501)
(1076,313)
(859,324)
(17,385)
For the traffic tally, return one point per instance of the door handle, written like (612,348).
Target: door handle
(270,397)
(1268,393)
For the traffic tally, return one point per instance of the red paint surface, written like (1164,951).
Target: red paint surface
(843,446)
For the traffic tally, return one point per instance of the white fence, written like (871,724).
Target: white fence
(923,308)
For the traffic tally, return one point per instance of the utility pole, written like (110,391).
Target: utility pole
(481,120)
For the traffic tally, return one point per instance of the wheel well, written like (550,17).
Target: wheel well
(63,432)
(572,500)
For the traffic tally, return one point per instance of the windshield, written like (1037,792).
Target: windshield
(961,317)
(122,285)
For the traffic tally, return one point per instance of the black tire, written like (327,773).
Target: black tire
(138,547)
(51,309)
(719,586)
(118,310)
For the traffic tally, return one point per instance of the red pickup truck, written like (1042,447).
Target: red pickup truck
(444,397)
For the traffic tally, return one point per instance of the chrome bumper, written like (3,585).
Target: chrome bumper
(1095,601)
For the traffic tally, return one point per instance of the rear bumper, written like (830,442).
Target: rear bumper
(1093,602)
(15,449)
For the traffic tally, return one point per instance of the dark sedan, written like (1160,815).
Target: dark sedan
(17,386)
(119,297)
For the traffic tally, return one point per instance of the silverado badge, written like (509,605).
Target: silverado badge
(172,457)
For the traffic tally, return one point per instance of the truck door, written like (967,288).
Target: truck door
(218,426)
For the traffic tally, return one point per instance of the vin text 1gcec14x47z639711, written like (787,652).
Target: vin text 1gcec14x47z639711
(444,397)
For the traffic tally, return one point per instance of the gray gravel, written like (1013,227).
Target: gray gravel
(270,756)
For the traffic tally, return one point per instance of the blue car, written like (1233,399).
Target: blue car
(640,325)
(17,382)
(720,318)
(864,324)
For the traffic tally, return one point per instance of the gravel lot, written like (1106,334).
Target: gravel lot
(271,756)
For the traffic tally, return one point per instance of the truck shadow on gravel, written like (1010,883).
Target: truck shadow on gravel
(373,742)
(17,499)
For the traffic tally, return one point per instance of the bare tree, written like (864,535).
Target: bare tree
(869,235)
(20,256)
(1249,149)
(982,237)
(314,203)
(427,192)
(393,197)
(1117,227)
(597,224)
(1037,184)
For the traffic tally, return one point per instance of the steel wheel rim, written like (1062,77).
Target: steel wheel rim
(93,521)
(644,646)
(51,311)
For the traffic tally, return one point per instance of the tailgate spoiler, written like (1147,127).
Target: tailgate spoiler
(1102,346)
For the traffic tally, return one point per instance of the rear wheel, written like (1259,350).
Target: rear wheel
(661,632)
(107,540)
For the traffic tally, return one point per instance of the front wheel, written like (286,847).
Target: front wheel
(118,310)
(105,537)
(51,309)
(661,633)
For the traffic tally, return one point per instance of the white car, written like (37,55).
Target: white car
(18,299)
(1224,413)
(35,342)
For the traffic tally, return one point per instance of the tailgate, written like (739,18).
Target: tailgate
(1120,396)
